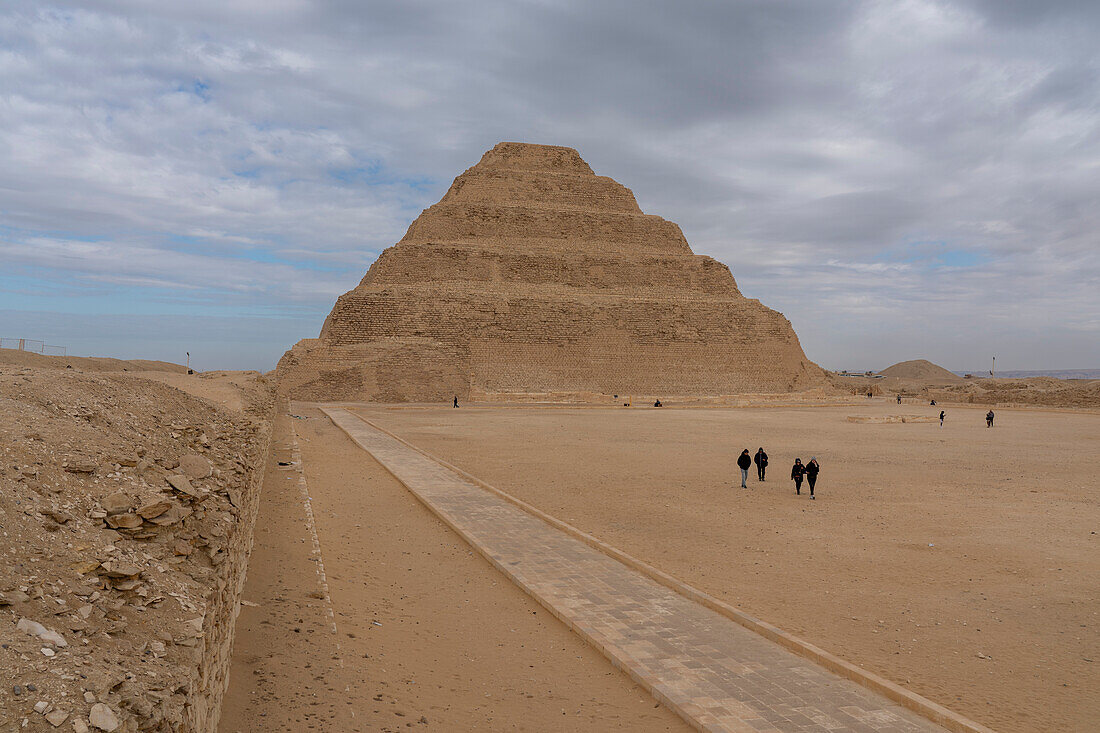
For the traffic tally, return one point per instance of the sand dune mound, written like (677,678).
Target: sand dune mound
(16,357)
(535,275)
(920,369)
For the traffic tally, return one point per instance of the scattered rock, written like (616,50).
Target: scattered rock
(180,483)
(119,569)
(57,717)
(36,629)
(193,465)
(11,597)
(154,508)
(85,566)
(79,465)
(79,726)
(174,514)
(41,707)
(116,503)
(57,516)
(103,718)
(129,520)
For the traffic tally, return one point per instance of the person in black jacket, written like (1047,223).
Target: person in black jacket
(797,470)
(761,461)
(811,474)
(989,419)
(743,462)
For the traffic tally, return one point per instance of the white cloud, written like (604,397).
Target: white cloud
(261,154)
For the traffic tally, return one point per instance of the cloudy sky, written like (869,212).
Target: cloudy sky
(901,179)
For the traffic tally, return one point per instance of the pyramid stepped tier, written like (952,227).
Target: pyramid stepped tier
(521,225)
(487,267)
(541,189)
(535,276)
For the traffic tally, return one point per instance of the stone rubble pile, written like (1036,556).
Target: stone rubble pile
(126,511)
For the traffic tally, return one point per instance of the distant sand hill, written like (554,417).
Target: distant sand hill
(921,369)
(86,363)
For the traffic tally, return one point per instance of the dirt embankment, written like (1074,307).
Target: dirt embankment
(1034,391)
(15,357)
(1038,391)
(126,511)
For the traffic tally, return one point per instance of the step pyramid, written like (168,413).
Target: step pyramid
(535,276)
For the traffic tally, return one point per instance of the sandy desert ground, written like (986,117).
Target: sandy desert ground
(431,637)
(959,561)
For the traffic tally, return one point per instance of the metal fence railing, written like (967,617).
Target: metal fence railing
(33,345)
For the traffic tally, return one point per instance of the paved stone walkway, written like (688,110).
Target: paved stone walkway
(717,674)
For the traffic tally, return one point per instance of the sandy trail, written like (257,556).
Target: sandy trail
(430,635)
(224,389)
(960,562)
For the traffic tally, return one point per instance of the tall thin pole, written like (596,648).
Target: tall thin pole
(993,371)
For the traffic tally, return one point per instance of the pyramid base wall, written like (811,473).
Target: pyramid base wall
(423,370)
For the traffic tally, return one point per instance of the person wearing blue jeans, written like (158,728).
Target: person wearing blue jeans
(743,462)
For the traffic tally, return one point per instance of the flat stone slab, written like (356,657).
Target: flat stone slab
(715,673)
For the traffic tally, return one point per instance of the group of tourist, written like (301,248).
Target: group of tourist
(799,471)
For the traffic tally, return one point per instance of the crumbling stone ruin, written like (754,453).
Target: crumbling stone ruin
(126,521)
(534,276)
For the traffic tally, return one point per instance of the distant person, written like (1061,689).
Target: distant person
(870,394)
(933,403)
(761,461)
(456,400)
(797,472)
(811,474)
(658,404)
(942,416)
(899,399)
(989,419)
(743,462)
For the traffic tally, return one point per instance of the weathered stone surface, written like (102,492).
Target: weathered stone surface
(534,275)
(180,483)
(56,717)
(117,569)
(36,629)
(193,465)
(129,520)
(154,508)
(116,503)
(103,718)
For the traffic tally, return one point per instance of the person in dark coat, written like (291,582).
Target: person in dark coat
(942,416)
(899,399)
(761,461)
(797,471)
(812,469)
(989,419)
(743,462)
(456,400)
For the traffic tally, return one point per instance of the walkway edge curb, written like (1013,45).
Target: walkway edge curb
(912,701)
